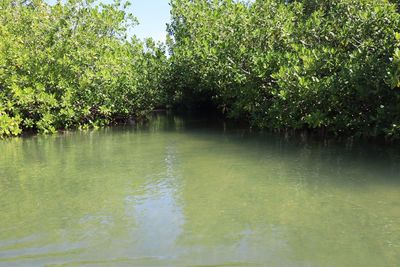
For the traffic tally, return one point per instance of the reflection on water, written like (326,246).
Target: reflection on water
(185,192)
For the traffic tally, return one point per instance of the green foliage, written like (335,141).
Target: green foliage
(316,64)
(290,64)
(71,65)
(395,71)
(9,126)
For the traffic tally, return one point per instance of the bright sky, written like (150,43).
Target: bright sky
(152,15)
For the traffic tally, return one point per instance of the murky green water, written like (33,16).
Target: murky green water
(183,192)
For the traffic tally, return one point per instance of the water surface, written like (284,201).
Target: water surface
(190,192)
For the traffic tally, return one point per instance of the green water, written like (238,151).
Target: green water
(186,192)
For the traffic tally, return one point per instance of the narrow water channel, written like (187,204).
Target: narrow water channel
(190,192)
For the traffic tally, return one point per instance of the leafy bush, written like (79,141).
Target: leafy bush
(71,65)
(313,64)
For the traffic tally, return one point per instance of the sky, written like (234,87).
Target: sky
(152,15)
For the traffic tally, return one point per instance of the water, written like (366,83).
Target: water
(185,192)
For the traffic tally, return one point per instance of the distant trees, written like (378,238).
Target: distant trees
(318,64)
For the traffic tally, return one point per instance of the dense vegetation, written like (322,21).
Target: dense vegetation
(315,64)
(333,66)
(71,65)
